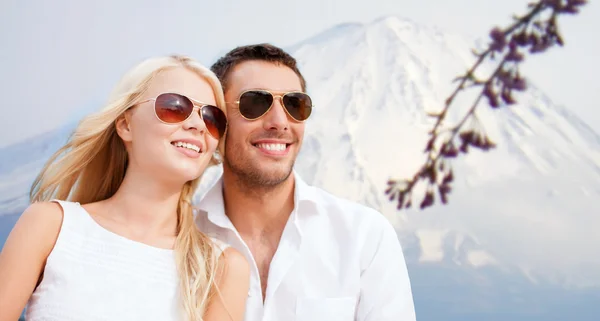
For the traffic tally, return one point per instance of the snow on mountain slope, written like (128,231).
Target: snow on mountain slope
(530,198)
(528,205)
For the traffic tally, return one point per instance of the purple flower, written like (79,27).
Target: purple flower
(498,40)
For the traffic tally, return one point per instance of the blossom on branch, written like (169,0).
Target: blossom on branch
(535,32)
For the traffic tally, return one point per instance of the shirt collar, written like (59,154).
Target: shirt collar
(212,204)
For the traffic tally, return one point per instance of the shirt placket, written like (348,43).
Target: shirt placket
(284,258)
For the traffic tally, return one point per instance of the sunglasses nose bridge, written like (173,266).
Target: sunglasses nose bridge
(278,98)
(192,122)
(198,109)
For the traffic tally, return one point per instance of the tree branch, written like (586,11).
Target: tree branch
(529,31)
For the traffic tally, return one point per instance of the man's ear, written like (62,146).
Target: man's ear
(123,126)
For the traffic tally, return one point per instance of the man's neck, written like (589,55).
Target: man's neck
(256,210)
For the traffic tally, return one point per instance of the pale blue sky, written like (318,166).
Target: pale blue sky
(59,59)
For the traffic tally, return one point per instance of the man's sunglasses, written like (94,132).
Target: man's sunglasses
(171,108)
(253,104)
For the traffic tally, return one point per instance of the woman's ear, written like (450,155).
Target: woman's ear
(123,126)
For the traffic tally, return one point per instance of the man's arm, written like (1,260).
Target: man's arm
(386,293)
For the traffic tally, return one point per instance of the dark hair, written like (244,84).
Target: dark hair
(262,52)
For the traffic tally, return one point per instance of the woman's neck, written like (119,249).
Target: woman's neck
(146,204)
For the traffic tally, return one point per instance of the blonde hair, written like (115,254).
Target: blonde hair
(92,164)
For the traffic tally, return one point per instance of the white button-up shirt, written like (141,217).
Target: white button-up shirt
(336,261)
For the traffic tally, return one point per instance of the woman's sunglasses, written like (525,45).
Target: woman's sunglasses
(253,104)
(171,108)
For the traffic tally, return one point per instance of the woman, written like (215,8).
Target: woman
(110,234)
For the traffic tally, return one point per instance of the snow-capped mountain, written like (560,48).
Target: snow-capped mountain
(524,213)
(372,84)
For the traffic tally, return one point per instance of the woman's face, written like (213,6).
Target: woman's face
(173,152)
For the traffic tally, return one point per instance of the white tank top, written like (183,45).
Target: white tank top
(93,274)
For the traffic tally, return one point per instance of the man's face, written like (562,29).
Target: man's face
(253,148)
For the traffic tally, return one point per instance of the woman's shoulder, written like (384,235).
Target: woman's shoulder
(218,245)
(228,253)
(48,214)
(43,221)
(36,230)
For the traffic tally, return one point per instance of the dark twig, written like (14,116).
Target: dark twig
(531,31)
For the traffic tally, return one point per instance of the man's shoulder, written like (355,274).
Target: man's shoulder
(326,198)
(357,225)
(339,208)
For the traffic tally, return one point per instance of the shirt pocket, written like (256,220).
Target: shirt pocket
(326,309)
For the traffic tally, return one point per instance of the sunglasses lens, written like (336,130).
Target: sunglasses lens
(299,105)
(173,108)
(254,104)
(215,121)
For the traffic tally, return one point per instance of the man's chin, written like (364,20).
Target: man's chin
(259,172)
(276,173)
(271,175)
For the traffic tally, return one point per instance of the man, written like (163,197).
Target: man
(313,255)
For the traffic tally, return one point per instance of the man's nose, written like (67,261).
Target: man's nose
(277,117)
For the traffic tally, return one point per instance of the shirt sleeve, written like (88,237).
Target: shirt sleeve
(386,293)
